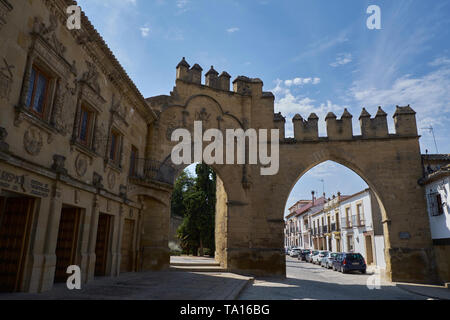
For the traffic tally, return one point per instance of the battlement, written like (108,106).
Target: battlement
(241,85)
(342,129)
(376,127)
(405,121)
(306,129)
(280,123)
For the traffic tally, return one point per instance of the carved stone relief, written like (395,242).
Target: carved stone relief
(33,141)
(81,165)
(49,33)
(5,8)
(6,79)
(111,180)
(172,124)
(100,140)
(91,77)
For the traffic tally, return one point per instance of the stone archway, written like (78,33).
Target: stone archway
(254,204)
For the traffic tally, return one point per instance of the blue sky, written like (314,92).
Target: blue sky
(315,56)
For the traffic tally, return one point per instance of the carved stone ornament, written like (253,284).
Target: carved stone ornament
(91,77)
(172,124)
(202,115)
(49,34)
(5,8)
(6,80)
(59,115)
(81,165)
(97,180)
(4,147)
(59,164)
(33,141)
(100,139)
(111,180)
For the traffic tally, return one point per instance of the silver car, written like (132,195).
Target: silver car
(317,259)
(327,261)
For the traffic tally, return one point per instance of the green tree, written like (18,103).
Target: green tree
(198,204)
(182,185)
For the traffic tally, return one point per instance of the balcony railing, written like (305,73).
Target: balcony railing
(153,170)
(346,224)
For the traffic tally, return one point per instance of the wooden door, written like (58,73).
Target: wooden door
(369,251)
(126,263)
(66,248)
(15,223)
(102,244)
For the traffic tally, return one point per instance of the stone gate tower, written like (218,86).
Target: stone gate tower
(250,208)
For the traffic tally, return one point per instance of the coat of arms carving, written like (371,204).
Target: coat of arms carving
(33,141)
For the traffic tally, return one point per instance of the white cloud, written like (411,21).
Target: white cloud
(301,81)
(342,59)
(233,30)
(428,95)
(289,104)
(145,31)
(439,62)
(323,45)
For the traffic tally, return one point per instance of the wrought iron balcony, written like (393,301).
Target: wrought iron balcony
(147,170)
(346,224)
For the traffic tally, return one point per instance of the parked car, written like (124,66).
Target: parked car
(294,252)
(327,261)
(303,253)
(346,262)
(316,259)
(310,256)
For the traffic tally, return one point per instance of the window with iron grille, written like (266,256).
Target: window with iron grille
(435,204)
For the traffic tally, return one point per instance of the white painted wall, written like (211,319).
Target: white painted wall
(440,225)
(379,252)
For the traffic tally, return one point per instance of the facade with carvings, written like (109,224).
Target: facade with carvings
(72,129)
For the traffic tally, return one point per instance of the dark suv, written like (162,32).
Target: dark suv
(303,253)
(345,262)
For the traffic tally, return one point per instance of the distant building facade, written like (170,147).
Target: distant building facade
(342,224)
(436,181)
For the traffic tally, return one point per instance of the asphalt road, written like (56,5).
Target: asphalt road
(306,281)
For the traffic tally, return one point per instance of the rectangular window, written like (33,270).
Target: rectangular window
(86,119)
(348,215)
(37,92)
(360,213)
(435,203)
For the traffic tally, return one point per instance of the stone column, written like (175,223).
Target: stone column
(155,253)
(92,240)
(118,247)
(47,274)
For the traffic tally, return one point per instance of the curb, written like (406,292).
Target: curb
(420,294)
(234,295)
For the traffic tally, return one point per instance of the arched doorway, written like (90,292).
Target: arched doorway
(332,208)
(199,205)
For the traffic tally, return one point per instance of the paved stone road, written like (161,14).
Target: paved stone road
(306,281)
